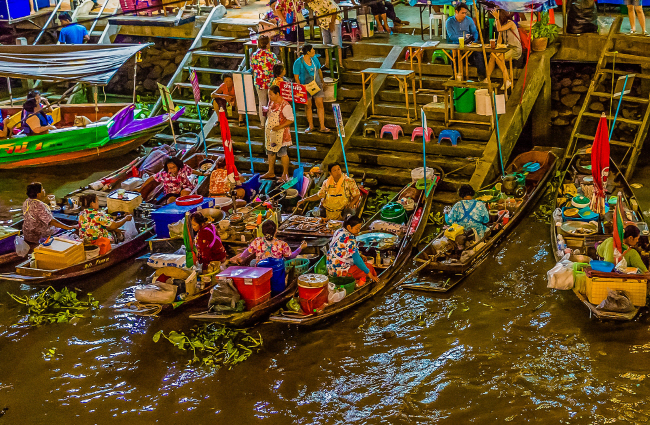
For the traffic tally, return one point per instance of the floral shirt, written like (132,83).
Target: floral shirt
(174,184)
(341,249)
(262,62)
(93,224)
(37,220)
(264,249)
(471,214)
(286,6)
(325,8)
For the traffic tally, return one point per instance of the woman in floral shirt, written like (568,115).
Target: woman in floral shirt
(262,62)
(268,246)
(175,177)
(287,11)
(94,225)
(343,258)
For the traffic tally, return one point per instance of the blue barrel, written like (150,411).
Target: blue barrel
(278,280)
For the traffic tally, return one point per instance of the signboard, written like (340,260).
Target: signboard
(628,85)
(339,119)
(166,99)
(299,92)
(243,82)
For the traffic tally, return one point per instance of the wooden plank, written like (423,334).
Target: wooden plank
(626,98)
(401,72)
(336,153)
(610,117)
(210,53)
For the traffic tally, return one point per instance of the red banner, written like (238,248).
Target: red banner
(299,92)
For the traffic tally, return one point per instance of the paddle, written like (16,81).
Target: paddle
(408,276)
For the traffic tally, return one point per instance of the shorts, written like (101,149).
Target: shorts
(378,8)
(282,152)
(335,38)
(633,3)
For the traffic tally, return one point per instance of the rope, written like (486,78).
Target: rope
(474,162)
(144,309)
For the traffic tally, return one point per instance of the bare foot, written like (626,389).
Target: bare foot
(268,176)
(285,178)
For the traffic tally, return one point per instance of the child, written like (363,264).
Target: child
(278,75)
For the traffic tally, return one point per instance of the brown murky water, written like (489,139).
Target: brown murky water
(499,348)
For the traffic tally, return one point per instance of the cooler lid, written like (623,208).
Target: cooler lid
(128,196)
(177,209)
(58,245)
(246,272)
(6,231)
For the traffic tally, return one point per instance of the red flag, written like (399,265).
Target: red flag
(195,86)
(600,165)
(226,139)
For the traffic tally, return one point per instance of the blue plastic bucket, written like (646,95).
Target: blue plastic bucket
(278,280)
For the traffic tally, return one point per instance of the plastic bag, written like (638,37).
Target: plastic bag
(616,301)
(621,265)
(604,24)
(130,231)
(166,260)
(561,275)
(581,17)
(176,229)
(225,297)
(22,249)
(160,293)
(334,296)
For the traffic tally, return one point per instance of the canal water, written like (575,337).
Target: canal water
(499,348)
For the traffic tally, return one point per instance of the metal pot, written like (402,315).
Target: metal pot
(510,183)
(215,213)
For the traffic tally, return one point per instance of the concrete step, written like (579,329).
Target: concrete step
(432,82)
(260,165)
(314,139)
(191,103)
(314,154)
(467,131)
(409,161)
(404,144)
(205,87)
(434,111)
(395,96)
(214,54)
(199,70)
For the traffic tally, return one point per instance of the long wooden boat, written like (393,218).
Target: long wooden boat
(577,169)
(415,227)
(115,131)
(443,275)
(25,273)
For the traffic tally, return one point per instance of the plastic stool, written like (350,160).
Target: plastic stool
(372,126)
(435,17)
(418,132)
(452,135)
(439,54)
(393,129)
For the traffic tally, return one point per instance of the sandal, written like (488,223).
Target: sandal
(325,130)
(242,123)
(308,130)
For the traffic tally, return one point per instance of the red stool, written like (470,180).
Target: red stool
(393,129)
(418,132)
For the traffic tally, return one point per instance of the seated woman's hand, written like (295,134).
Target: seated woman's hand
(373,277)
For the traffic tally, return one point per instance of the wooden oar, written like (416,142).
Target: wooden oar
(426,263)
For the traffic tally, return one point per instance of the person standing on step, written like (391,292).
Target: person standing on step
(277,137)
(290,13)
(328,15)
(262,62)
(635,7)
(306,71)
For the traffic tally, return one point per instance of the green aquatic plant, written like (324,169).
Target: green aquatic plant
(544,211)
(52,306)
(217,345)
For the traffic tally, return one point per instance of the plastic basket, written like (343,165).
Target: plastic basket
(300,264)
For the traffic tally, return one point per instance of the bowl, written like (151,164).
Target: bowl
(601,266)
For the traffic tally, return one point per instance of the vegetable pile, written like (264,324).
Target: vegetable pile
(51,306)
(375,203)
(217,344)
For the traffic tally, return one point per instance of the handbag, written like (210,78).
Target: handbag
(312,87)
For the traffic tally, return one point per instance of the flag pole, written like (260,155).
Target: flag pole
(339,124)
(295,124)
(197,98)
(496,120)
(424,147)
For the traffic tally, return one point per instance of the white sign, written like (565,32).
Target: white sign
(244,80)
(628,86)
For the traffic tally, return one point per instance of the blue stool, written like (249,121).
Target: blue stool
(452,135)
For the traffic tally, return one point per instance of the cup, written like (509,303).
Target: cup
(493,43)
(52,200)
(461,42)
(224,224)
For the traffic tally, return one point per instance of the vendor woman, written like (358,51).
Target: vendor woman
(339,194)
(468,212)
(39,223)
(94,224)
(631,236)
(175,177)
(343,258)
(268,246)
(208,243)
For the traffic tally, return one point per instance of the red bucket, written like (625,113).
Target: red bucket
(311,299)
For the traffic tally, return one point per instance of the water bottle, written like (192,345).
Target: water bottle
(561,245)
(253,35)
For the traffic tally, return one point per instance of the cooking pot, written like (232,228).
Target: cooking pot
(510,183)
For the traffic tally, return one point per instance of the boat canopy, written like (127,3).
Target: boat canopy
(88,63)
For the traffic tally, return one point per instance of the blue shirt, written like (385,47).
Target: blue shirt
(471,214)
(305,72)
(72,34)
(456,29)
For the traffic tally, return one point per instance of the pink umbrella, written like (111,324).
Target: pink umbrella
(600,165)
(227,145)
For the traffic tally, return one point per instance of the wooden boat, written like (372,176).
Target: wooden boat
(7,249)
(442,275)
(115,131)
(415,227)
(577,169)
(27,274)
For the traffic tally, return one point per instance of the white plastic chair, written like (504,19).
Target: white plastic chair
(435,17)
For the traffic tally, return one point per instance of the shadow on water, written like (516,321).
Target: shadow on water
(499,347)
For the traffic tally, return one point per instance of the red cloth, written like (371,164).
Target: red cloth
(204,239)
(226,139)
(104,245)
(600,165)
(359,275)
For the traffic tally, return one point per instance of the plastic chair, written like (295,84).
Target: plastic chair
(372,126)
(439,54)
(418,132)
(435,17)
(393,129)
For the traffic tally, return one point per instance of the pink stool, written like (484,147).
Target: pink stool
(393,129)
(418,132)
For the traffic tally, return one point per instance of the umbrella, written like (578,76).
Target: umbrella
(226,139)
(600,165)
(619,228)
